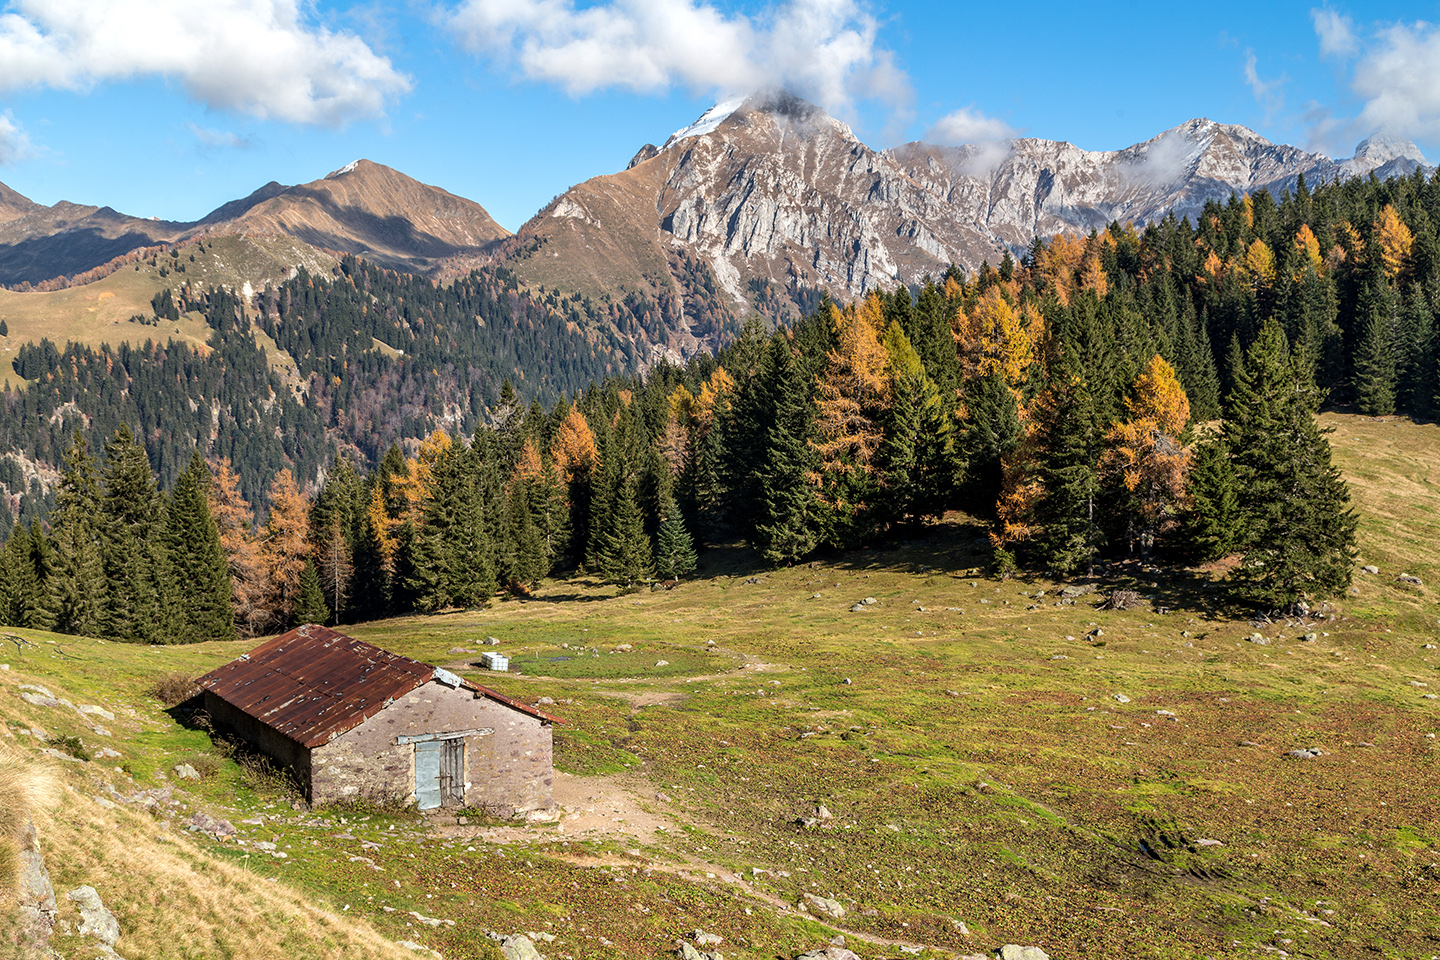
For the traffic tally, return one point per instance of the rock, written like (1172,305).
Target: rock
(38,699)
(1165,713)
(1410,579)
(36,688)
(492,641)
(823,813)
(662,663)
(704,939)
(623,648)
(831,952)
(1304,753)
(869,601)
(545,701)
(1097,633)
(207,824)
(186,772)
(1208,843)
(1369,568)
(90,710)
(685,951)
(54,754)
(34,894)
(1074,592)
(1310,637)
(1259,638)
(1012,952)
(519,947)
(822,906)
(1121,698)
(99,922)
(857,608)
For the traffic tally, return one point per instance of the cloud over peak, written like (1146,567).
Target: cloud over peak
(824,50)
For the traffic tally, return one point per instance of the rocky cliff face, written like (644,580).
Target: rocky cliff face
(771,192)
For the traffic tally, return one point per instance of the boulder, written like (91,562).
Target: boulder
(1411,579)
(99,922)
(704,939)
(35,895)
(519,947)
(831,952)
(1370,568)
(1013,952)
(822,906)
(186,772)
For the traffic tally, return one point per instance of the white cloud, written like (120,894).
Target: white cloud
(224,139)
(250,56)
(824,50)
(15,144)
(968,125)
(1268,93)
(1336,33)
(1396,75)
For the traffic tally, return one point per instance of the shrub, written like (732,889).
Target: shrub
(174,689)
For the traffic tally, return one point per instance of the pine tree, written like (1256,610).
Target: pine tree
(1298,528)
(200,578)
(674,550)
(310,599)
(77,577)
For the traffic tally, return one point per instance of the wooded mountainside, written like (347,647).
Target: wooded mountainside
(1058,396)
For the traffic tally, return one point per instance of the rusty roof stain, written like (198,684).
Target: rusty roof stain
(313,683)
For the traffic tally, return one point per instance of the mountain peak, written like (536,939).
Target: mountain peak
(1381,148)
(348,168)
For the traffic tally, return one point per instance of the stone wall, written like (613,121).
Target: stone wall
(268,740)
(508,765)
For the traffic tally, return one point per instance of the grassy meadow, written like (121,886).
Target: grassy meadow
(1002,764)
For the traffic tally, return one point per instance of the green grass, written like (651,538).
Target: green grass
(979,765)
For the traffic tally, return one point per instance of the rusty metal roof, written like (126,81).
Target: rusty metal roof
(313,683)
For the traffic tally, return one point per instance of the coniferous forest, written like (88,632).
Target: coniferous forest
(1136,394)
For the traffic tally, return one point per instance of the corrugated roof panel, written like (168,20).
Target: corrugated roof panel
(313,683)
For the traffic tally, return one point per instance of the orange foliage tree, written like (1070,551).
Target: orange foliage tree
(248,577)
(1144,458)
(285,546)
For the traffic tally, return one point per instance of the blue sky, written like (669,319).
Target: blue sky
(169,110)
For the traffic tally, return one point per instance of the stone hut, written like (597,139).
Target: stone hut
(354,721)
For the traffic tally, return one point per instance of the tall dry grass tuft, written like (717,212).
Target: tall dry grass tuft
(29,788)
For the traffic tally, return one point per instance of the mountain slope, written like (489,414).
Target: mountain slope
(364,208)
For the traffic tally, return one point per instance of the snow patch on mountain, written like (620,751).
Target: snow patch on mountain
(708,122)
(348,168)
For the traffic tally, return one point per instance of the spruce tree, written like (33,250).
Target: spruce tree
(1210,529)
(917,458)
(674,550)
(76,585)
(990,430)
(131,552)
(1068,509)
(1374,380)
(200,578)
(310,603)
(787,520)
(1298,529)
(624,556)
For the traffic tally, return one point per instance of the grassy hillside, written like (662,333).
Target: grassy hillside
(1001,766)
(99,312)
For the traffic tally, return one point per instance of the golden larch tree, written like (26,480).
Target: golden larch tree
(1396,241)
(236,521)
(285,546)
(574,448)
(1144,456)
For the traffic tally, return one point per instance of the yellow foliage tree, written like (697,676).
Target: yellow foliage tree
(1145,455)
(1308,248)
(720,382)
(1396,241)
(1058,263)
(1260,266)
(993,337)
(852,396)
(234,519)
(528,465)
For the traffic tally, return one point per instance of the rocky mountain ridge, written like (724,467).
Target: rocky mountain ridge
(775,196)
